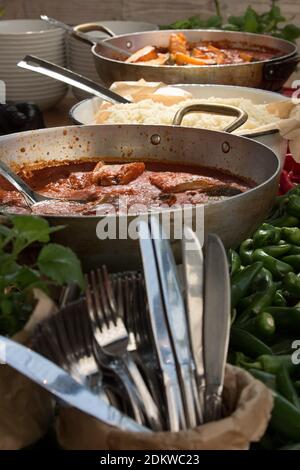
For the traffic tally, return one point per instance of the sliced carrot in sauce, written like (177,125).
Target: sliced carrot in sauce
(184,59)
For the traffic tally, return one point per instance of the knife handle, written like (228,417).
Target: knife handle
(147,402)
(213,407)
(189,389)
(175,410)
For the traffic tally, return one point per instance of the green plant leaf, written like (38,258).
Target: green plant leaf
(231,27)
(214,22)
(6,306)
(60,264)
(26,277)
(275,14)
(290,32)
(251,23)
(236,21)
(8,264)
(31,228)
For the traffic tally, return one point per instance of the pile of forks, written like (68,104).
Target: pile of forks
(153,345)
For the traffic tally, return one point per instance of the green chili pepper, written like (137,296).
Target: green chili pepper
(293,205)
(285,418)
(277,250)
(291,283)
(295,250)
(247,301)
(282,346)
(260,302)
(285,221)
(286,387)
(297,384)
(234,261)
(261,281)
(295,190)
(263,325)
(246,250)
(242,281)
(279,299)
(286,318)
(291,447)
(265,235)
(291,235)
(278,268)
(292,260)
(268,379)
(272,363)
(247,343)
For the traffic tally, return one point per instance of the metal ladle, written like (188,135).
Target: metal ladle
(57,72)
(31,197)
(71,78)
(85,36)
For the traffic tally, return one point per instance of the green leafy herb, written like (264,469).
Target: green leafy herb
(60,264)
(271,22)
(49,265)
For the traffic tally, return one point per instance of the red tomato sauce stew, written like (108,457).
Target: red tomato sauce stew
(90,188)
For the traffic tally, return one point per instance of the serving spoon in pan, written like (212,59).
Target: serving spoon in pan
(76,80)
(31,197)
(85,36)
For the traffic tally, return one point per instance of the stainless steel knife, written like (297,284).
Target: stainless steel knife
(216,324)
(163,345)
(176,319)
(58,382)
(193,270)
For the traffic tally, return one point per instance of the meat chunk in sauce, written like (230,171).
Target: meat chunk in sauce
(110,175)
(178,43)
(169,182)
(142,55)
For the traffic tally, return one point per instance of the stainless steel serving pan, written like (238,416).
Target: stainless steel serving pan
(232,219)
(84,112)
(269,74)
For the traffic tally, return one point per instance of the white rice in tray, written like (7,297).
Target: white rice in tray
(152,112)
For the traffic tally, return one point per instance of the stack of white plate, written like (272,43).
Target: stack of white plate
(80,57)
(19,38)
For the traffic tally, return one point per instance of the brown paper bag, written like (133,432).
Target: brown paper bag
(248,408)
(25,408)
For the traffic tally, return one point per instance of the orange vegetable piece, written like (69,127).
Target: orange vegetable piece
(245,56)
(184,59)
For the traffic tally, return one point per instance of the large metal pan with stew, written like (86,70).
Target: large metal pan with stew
(172,156)
(271,61)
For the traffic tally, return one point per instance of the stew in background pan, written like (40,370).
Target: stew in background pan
(182,52)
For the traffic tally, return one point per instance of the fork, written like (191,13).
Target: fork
(58,338)
(111,343)
(136,318)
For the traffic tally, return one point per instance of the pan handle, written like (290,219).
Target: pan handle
(88,27)
(224,110)
(81,32)
(280,69)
